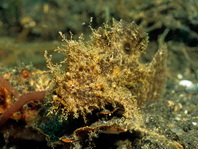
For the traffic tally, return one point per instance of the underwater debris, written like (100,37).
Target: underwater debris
(103,79)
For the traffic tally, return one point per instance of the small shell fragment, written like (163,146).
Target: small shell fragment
(189,86)
(185,83)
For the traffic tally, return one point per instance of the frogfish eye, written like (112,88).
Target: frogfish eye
(127,48)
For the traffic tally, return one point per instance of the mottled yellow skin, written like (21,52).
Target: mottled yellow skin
(106,70)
